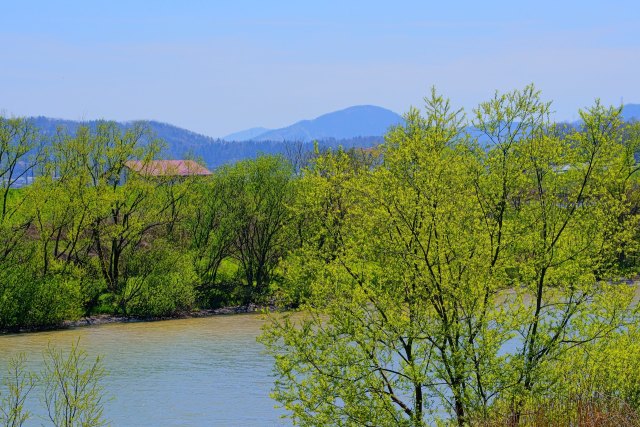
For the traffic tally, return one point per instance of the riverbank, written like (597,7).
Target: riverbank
(104,319)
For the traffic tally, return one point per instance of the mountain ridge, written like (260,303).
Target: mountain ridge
(183,143)
(351,122)
(246,134)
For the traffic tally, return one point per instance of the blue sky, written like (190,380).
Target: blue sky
(219,67)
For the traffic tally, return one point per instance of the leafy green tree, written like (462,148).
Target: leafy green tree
(73,394)
(458,273)
(323,202)
(253,196)
(70,386)
(21,154)
(88,211)
(29,298)
(121,217)
(160,282)
(367,351)
(212,227)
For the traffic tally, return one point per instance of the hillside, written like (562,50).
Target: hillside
(245,135)
(179,140)
(352,122)
(181,143)
(359,126)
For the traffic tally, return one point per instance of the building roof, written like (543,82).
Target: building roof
(167,168)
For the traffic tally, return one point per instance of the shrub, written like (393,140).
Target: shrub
(32,302)
(160,283)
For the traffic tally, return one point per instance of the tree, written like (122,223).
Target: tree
(18,384)
(70,386)
(73,395)
(366,353)
(322,203)
(460,273)
(21,153)
(212,226)
(121,217)
(257,196)
(28,300)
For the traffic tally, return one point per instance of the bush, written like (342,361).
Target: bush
(31,302)
(594,411)
(161,295)
(228,289)
(225,292)
(160,283)
(107,304)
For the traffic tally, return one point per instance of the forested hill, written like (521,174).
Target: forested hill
(361,126)
(177,138)
(182,143)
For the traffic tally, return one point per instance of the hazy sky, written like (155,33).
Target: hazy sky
(219,67)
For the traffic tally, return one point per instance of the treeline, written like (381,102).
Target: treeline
(180,143)
(89,236)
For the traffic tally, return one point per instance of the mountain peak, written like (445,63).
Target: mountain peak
(351,122)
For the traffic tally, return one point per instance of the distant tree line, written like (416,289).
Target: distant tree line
(214,152)
(89,236)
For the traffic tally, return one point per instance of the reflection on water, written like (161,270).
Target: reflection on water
(191,372)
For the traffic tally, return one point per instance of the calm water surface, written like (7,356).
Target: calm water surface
(191,372)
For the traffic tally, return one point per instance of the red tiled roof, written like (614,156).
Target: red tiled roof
(167,168)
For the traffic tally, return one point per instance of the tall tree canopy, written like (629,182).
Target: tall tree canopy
(460,270)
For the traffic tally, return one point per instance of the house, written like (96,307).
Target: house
(167,168)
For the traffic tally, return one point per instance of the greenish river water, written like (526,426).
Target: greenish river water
(192,372)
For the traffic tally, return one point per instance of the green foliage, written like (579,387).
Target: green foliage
(452,280)
(227,290)
(73,395)
(324,197)
(21,152)
(598,384)
(242,214)
(18,384)
(450,274)
(160,283)
(91,236)
(262,190)
(31,302)
(69,384)
(608,368)
(212,230)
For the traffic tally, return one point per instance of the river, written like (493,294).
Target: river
(188,372)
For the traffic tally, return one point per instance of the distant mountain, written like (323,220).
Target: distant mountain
(179,141)
(355,127)
(182,143)
(245,135)
(352,122)
(631,112)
